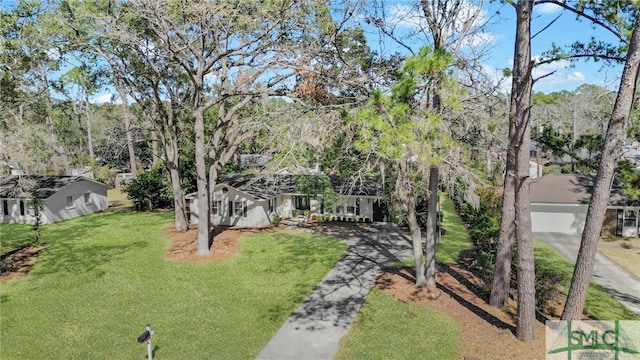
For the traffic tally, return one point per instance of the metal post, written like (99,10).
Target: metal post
(149,350)
(146,337)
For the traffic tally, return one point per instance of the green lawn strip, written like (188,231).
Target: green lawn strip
(389,329)
(104,276)
(455,238)
(13,236)
(599,304)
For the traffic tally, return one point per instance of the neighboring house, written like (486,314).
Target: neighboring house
(253,200)
(559,204)
(63,197)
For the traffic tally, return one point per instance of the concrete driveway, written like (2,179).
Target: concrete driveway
(618,282)
(314,330)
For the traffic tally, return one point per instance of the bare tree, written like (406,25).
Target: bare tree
(231,61)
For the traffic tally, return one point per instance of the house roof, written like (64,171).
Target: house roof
(46,186)
(570,189)
(266,186)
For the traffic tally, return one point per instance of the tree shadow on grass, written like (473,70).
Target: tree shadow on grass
(73,258)
(337,299)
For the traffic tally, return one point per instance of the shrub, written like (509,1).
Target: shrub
(150,190)
(275,220)
(547,286)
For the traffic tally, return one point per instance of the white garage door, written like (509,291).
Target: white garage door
(565,219)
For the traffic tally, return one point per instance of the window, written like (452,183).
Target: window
(301,202)
(339,209)
(238,208)
(21,208)
(5,207)
(216,208)
(87,198)
(351,209)
(629,218)
(70,204)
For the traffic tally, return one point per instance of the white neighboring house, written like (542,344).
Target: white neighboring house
(63,197)
(253,200)
(559,204)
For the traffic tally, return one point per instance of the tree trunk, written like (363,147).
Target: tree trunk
(432,228)
(154,147)
(520,107)
(502,273)
(172,164)
(416,239)
(602,188)
(405,193)
(203,239)
(126,122)
(92,158)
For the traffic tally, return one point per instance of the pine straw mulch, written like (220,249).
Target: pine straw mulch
(486,332)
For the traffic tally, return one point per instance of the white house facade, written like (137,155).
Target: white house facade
(62,198)
(254,200)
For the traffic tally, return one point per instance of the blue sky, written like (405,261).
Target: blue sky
(498,42)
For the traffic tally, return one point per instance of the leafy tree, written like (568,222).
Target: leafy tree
(403,134)
(149,189)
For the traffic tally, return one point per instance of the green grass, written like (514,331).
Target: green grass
(104,276)
(599,304)
(388,329)
(456,238)
(12,236)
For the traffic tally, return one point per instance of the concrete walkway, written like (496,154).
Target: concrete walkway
(622,285)
(314,330)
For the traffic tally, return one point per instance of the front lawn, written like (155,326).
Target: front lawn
(104,276)
(13,236)
(389,329)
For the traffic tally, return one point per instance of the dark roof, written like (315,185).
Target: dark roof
(45,186)
(254,160)
(570,189)
(266,186)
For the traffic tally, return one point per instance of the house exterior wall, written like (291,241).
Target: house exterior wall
(55,207)
(284,205)
(14,216)
(256,214)
(565,219)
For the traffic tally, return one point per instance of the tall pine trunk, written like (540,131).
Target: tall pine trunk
(406,194)
(520,107)
(502,273)
(432,228)
(601,191)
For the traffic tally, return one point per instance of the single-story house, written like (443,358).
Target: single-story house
(559,204)
(252,200)
(62,198)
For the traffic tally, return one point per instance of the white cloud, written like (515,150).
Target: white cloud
(547,8)
(406,16)
(104,98)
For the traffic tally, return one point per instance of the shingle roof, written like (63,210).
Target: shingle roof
(266,186)
(45,186)
(570,189)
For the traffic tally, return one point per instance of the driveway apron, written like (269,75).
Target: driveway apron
(314,330)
